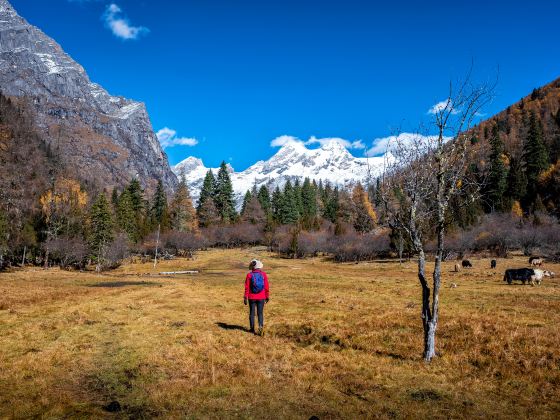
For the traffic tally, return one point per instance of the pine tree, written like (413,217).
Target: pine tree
(330,210)
(309,204)
(497,177)
(253,212)
(136,196)
(264,199)
(100,229)
(159,211)
(378,200)
(223,196)
(365,217)
(139,207)
(516,181)
(297,194)
(536,158)
(246,199)
(115,199)
(181,210)
(126,219)
(208,214)
(276,205)
(207,191)
(288,206)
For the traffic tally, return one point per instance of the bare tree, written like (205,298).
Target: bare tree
(422,173)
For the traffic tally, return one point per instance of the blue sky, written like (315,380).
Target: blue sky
(231,76)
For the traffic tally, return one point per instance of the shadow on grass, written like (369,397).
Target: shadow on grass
(111,284)
(225,326)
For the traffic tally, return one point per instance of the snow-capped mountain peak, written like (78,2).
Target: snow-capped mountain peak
(331,162)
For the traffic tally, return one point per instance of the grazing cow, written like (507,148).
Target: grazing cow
(538,276)
(533,258)
(493,264)
(457,267)
(536,262)
(466,264)
(523,274)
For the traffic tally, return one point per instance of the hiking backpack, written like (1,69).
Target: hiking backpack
(257,282)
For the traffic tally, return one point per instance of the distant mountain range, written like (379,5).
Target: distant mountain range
(102,138)
(330,163)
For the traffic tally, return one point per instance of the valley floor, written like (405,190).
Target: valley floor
(342,341)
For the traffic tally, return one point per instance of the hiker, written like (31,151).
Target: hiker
(257,294)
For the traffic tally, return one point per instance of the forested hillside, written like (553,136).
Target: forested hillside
(519,152)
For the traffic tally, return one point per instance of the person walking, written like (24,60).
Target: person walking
(256,294)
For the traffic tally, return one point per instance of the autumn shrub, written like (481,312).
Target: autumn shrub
(355,247)
(67,252)
(184,244)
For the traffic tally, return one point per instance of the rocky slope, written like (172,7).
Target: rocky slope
(330,163)
(104,139)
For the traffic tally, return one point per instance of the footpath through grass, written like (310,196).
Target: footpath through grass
(342,341)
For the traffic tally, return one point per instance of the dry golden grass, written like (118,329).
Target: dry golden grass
(343,341)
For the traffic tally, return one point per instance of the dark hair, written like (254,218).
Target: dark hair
(252,264)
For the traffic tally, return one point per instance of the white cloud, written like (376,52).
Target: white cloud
(120,26)
(381,145)
(440,106)
(168,138)
(285,139)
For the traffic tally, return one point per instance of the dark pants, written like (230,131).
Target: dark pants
(259,306)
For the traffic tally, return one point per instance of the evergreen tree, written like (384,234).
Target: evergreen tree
(253,212)
(330,210)
(536,158)
(181,210)
(246,199)
(365,217)
(207,190)
(159,210)
(208,214)
(223,196)
(497,177)
(136,196)
(297,194)
(126,219)
(264,199)
(276,205)
(288,206)
(516,182)
(378,200)
(100,229)
(309,204)
(115,199)
(139,207)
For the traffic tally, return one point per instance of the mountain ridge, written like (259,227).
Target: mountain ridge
(331,162)
(106,139)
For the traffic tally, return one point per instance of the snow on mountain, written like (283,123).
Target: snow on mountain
(330,163)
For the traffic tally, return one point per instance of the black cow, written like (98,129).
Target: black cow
(466,263)
(523,274)
(493,264)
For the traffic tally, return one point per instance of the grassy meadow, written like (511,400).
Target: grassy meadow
(342,341)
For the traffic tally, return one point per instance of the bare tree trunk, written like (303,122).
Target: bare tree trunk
(157,245)
(401,246)
(23,259)
(46,264)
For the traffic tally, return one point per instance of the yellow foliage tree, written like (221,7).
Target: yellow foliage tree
(516,209)
(365,216)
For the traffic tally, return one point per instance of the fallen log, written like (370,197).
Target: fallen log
(167,273)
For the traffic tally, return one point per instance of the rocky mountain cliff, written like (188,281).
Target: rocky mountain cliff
(330,163)
(103,139)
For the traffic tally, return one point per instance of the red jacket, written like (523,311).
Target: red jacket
(263,294)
